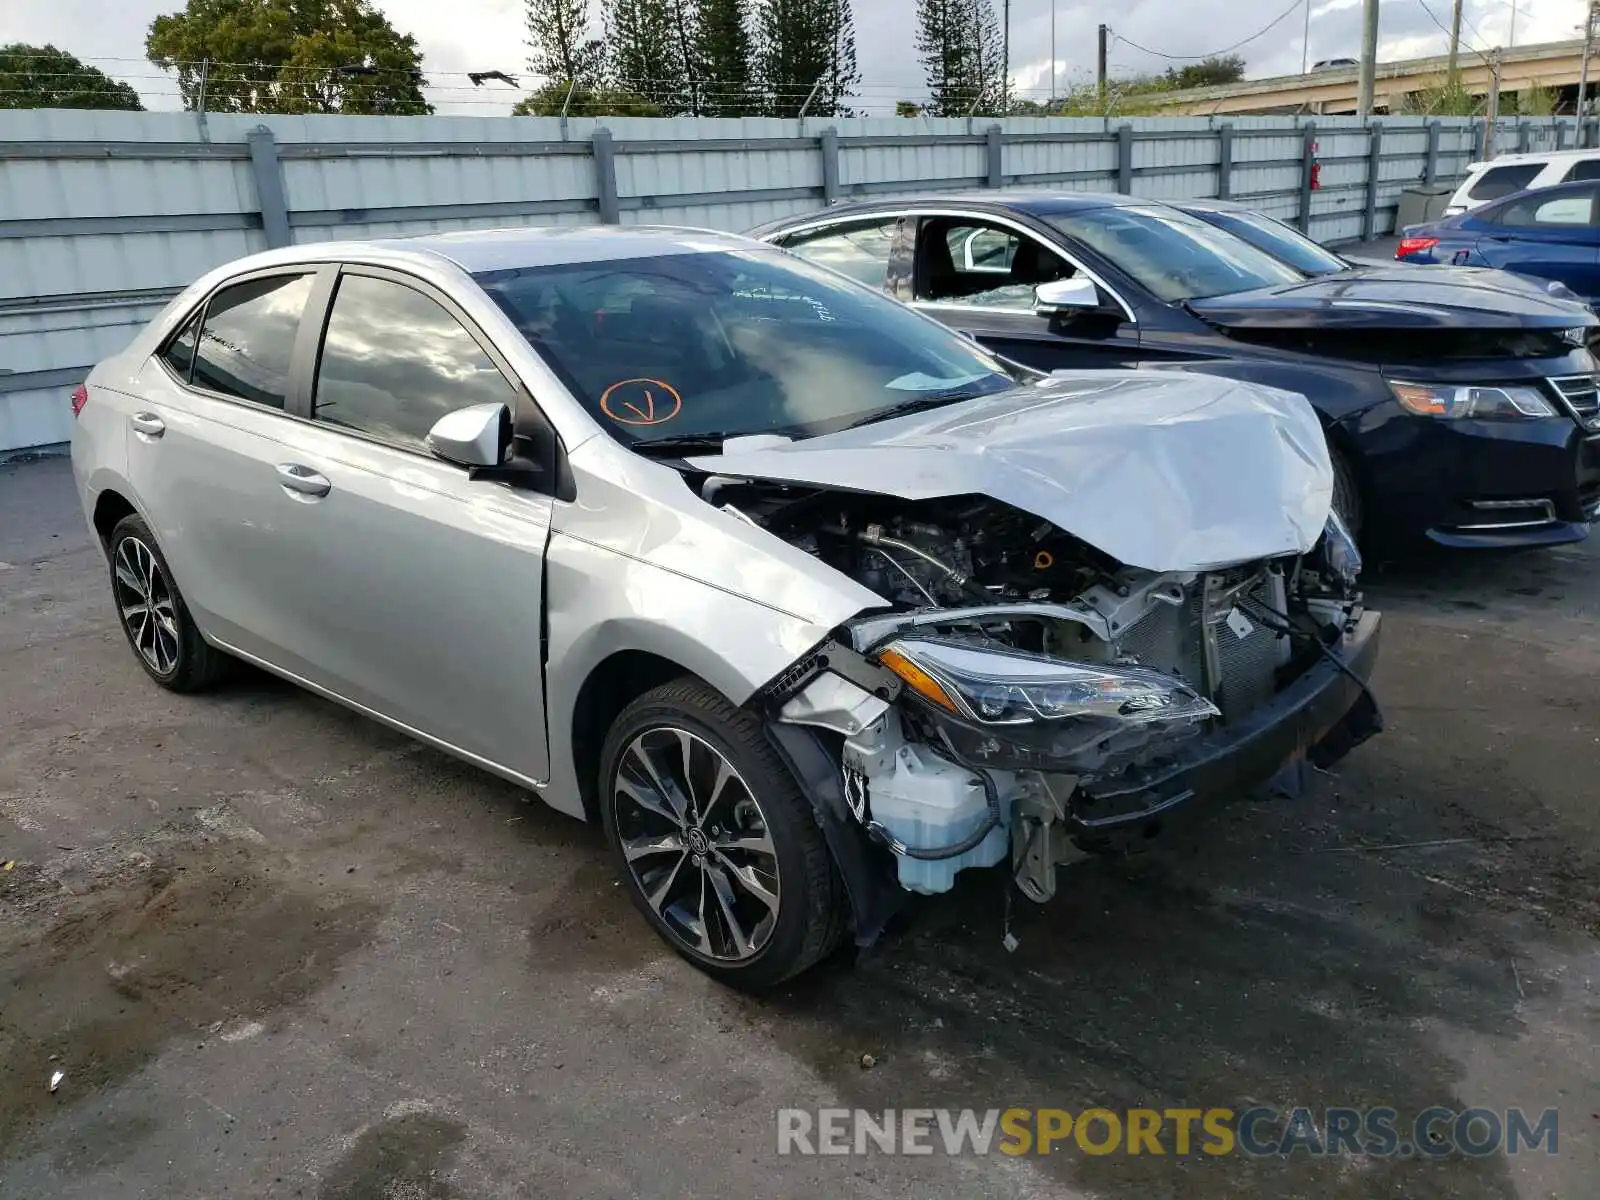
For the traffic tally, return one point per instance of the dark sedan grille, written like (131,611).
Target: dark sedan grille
(1581,394)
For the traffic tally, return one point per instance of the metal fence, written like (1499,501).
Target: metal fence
(105,215)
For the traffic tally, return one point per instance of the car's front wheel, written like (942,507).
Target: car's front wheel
(1346,493)
(153,615)
(715,842)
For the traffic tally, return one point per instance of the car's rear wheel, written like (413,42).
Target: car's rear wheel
(715,843)
(152,613)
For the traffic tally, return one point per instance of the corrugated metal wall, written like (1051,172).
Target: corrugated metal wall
(104,215)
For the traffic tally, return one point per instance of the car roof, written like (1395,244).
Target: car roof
(480,250)
(1536,156)
(1035,203)
(1201,204)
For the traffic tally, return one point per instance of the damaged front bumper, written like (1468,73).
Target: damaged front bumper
(1049,818)
(1319,718)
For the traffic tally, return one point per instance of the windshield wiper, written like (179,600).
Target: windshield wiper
(683,443)
(922,403)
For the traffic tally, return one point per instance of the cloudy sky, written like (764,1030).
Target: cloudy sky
(467,35)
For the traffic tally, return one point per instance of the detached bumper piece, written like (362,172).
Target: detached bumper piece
(1319,718)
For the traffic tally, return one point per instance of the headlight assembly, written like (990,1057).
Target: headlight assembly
(1452,403)
(1339,551)
(1009,708)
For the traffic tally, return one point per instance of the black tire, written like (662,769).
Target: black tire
(168,647)
(810,900)
(1346,493)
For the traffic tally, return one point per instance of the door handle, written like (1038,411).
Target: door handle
(148,423)
(303,481)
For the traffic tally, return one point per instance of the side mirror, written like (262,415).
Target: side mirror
(479,436)
(1065,296)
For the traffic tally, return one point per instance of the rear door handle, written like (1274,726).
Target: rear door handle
(303,481)
(148,423)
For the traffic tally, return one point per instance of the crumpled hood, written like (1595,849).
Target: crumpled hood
(1399,297)
(1168,472)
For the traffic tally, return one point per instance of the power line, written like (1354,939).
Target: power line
(1466,20)
(1262,32)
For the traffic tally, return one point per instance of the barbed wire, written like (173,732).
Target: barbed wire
(666,89)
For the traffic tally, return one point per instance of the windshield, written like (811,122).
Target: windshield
(734,342)
(1174,255)
(1280,241)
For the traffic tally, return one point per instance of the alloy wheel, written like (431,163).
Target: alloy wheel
(697,844)
(145,603)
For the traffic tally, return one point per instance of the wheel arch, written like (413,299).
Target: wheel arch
(615,682)
(110,506)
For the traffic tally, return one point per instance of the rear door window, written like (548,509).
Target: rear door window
(859,251)
(394,361)
(1541,211)
(247,342)
(1502,181)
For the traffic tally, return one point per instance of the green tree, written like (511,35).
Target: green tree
(1537,100)
(560,48)
(798,44)
(44,77)
(1209,72)
(289,56)
(1441,97)
(643,53)
(722,57)
(950,37)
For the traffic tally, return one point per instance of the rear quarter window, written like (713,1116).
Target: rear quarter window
(1502,181)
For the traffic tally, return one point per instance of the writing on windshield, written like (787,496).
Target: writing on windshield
(731,342)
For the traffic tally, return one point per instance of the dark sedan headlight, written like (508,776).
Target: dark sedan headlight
(1452,402)
(1012,709)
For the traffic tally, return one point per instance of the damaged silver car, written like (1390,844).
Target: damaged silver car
(812,603)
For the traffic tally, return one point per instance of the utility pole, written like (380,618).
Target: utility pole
(1005,76)
(1100,70)
(1305,42)
(1491,115)
(1588,51)
(1053,55)
(1369,57)
(1455,46)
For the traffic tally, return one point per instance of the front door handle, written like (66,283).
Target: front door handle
(303,481)
(148,423)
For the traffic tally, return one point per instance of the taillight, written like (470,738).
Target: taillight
(80,397)
(1410,246)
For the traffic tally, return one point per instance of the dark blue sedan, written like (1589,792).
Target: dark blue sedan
(1460,405)
(1551,234)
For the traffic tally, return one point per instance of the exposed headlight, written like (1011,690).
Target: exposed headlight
(1009,707)
(1339,551)
(1431,400)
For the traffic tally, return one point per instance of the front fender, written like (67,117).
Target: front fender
(600,602)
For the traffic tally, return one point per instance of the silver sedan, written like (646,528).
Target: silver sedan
(812,603)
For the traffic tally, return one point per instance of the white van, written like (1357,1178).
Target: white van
(1509,173)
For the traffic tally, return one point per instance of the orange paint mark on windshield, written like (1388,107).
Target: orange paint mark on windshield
(641,402)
